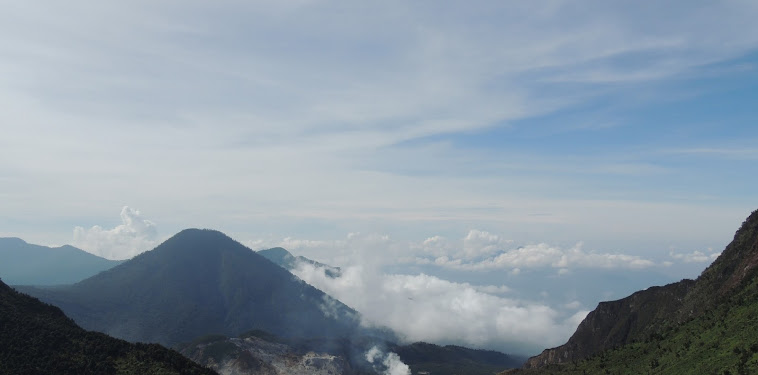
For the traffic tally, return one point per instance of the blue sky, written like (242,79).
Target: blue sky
(474,143)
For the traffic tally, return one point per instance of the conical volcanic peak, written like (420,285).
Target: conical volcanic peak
(200,282)
(190,241)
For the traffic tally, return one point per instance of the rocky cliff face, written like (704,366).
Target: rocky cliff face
(649,311)
(618,322)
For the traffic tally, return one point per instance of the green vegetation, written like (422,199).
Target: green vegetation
(37,338)
(710,329)
(723,340)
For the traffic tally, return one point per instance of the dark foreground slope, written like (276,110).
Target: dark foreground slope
(196,283)
(36,338)
(27,264)
(711,322)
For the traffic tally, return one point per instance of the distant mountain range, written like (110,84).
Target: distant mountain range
(290,262)
(709,325)
(26,264)
(200,282)
(36,338)
(200,290)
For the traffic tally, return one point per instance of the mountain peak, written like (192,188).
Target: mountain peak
(197,282)
(284,259)
(200,233)
(279,256)
(193,240)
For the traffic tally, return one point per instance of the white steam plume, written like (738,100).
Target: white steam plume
(391,363)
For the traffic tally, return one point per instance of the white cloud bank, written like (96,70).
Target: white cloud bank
(427,308)
(485,251)
(134,236)
(696,256)
(381,280)
(543,255)
(478,250)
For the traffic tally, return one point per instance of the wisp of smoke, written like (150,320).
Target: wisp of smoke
(390,363)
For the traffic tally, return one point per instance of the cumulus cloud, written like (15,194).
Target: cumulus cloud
(427,308)
(134,236)
(475,244)
(478,243)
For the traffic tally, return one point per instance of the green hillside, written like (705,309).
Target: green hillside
(709,328)
(36,338)
(723,340)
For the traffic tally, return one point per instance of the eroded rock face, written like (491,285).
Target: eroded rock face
(618,322)
(252,355)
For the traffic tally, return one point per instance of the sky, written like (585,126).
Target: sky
(483,153)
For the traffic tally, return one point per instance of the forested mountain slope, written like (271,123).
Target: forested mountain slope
(36,338)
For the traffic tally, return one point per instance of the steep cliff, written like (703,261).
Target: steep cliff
(649,312)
